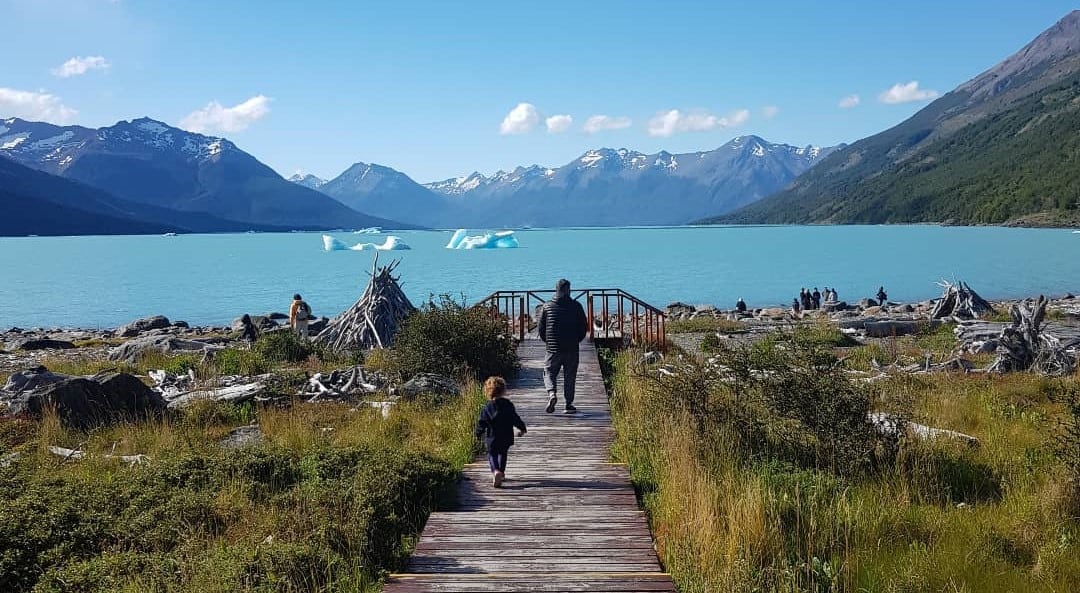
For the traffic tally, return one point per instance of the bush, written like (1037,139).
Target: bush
(785,397)
(232,361)
(283,346)
(447,338)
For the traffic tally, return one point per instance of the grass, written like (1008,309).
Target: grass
(704,324)
(934,516)
(329,500)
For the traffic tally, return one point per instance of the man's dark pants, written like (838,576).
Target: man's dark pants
(567,362)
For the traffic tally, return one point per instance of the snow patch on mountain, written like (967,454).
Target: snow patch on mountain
(13,140)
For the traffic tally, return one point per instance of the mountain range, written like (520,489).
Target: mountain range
(1003,147)
(201,182)
(603,187)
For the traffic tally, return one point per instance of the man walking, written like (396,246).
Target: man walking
(562,326)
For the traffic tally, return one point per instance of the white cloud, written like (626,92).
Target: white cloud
(79,65)
(599,123)
(668,123)
(39,106)
(521,119)
(848,102)
(217,118)
(907,93)
(558,123)
(769,111)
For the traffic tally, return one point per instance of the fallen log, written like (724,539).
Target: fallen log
(233,394)
(77,454)
(1023,345)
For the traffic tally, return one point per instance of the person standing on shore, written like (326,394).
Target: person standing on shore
(562,327)
(816,298)
(299,315)
(795,308)
(881,296)
(740,306)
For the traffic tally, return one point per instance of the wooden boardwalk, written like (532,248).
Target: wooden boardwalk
(566,518)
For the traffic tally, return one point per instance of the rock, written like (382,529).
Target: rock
(833,306)
(16,330)
(314,327)
(428,384)
(708,309)
(243,436)
(679,307)
(131,350)
(88,402)
(905,309)
(866,303)
(277,316)
(181,324)
(31,379)
(261,323)
(28,344)
(888,329)
(140,325)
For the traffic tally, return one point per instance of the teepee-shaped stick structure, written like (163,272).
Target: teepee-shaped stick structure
(373,320)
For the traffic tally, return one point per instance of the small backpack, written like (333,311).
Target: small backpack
(303,312)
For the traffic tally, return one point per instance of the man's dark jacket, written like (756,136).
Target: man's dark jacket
(497,422)
(563,324)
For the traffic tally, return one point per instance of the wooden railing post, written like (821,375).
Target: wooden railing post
(521,319)
(589,315)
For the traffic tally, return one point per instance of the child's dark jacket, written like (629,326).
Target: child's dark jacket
(498,420)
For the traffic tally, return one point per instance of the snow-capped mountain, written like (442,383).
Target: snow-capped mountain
(149,162)
(382,191)
(622,187)
(307,180)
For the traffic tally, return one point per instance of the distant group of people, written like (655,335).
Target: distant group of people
(812,300)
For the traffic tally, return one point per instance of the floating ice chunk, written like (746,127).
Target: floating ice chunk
(499,240)
(374,230)
(331,244)
(459,235)
(391,243)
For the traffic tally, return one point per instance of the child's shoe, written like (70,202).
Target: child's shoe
(497,480)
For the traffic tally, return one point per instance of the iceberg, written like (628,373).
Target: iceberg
(499,240)
(374,230)
(392,243)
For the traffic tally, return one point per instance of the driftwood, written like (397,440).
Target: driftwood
(340,385)
(959,301)
(77,454)
(233,394)
(373,320)
(1024,346)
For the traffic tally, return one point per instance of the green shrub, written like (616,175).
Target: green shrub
(446,337)
(785,397)
(181,364)
(704,324)
(233,361)
(283,346)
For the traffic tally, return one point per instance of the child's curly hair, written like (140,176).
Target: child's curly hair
(495,387)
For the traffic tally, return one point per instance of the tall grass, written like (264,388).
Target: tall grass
(934,516)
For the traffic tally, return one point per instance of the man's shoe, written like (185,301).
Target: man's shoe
(551,404)
(570,409)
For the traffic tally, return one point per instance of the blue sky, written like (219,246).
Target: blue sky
(425,87)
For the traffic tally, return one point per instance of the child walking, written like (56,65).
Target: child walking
(497,422)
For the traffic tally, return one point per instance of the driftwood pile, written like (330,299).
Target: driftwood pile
(182,390)
(341,384)
(1025,346)
(959,301)
(373,320)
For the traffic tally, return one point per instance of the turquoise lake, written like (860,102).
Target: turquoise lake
(212,279)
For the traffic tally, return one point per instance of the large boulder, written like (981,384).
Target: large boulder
(833,306)
(432,384)
(28,344)
(140,325)
(82,402)
(261,323)
(678,307)
(31,379)
(131,350)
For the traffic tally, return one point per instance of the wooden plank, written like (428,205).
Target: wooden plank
(567,518)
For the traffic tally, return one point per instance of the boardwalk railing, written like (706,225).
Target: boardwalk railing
(612,313)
